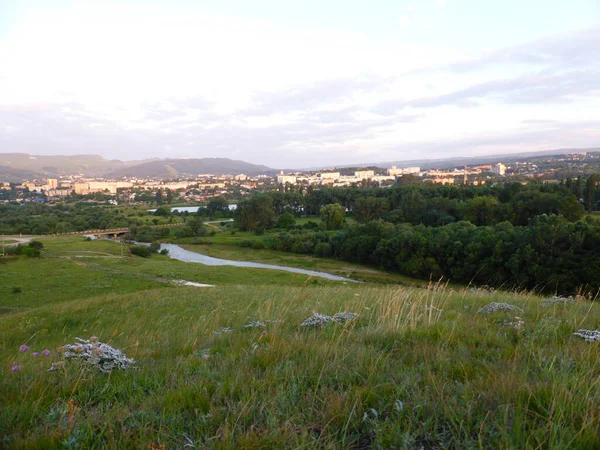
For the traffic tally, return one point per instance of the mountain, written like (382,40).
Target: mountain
(20,166)
(446,163)
(172,168)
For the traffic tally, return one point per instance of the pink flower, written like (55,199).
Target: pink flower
(15,368)
(46,352)
(23,348)
(35,354)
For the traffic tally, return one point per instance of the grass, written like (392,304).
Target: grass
(420,368)
(342,268)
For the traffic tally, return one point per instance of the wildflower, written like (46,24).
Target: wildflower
(15,368)
(342,317)
(555,300)
(56,365)
(517,324)
(97,354)
(495,306)
(223,330)
(588,335)
(94,339)
(317,320)
(23,348)
(255,324)
(46,352)
(35,354)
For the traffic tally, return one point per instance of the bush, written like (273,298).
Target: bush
(164,251)
(258,245)
(246,244)
(259,231)
(154,247)
(139,250)
(310,225)
(286,220)
(323,249)
(16,290)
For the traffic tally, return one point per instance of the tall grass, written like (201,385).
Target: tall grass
(420,368)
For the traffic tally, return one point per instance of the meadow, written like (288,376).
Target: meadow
(418,368)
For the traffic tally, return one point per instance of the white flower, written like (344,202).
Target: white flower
(588,335)
(96,354)
(320,320)
(223,330)
(554,300)
(495,306)
(255,324)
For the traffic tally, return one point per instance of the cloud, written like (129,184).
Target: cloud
(441,3)
(404,22)
(282,97)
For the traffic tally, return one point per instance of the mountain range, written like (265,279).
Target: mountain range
(16,167)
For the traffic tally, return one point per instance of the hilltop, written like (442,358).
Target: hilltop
(230,366)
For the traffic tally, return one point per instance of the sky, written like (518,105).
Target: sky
(299,83)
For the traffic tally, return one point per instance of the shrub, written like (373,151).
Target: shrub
(16,290)
(154,247)
(323,249)
(258,245)
(259,231)
(246,243)
(139,250)
(164,251)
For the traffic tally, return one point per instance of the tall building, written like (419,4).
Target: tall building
(498,169)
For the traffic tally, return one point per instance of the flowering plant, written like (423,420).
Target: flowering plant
(95,354)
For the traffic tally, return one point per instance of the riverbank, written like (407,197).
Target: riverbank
(356,272)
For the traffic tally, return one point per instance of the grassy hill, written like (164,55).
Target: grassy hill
(171,168)
(419,368)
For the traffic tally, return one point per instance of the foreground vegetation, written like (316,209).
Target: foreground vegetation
(419,368)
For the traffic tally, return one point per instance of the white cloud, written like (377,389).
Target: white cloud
(404,22)
(441,3)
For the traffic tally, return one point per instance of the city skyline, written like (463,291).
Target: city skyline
(289,86)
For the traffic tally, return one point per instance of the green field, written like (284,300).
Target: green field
(419,368)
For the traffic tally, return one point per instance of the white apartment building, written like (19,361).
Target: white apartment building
(498,169)
(364,174)
(394,171)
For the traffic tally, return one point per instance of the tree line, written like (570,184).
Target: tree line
(532,237)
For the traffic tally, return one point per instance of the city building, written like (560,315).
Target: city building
(394,171)
(498,169)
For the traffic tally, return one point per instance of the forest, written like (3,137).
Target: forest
(513,236)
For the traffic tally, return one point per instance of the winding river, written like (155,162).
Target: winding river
(181,254)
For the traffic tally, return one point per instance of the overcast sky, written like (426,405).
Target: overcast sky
(298,83)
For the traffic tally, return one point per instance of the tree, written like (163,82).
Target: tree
(256,212)
(159,197)
(164,211)
(217,204)
(370,208)
(286,220)
(169,196)
(332,216)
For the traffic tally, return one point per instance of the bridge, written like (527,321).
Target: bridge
(112,232)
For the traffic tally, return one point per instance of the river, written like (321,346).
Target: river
(191,209)
(181,254)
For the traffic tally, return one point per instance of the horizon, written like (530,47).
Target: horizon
(289,86)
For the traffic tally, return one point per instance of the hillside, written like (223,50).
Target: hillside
(170,168)
(16,167)
(418,368)
(19,166)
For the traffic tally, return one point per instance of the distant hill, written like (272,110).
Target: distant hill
(171,168)
(19,166)
(445,163)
